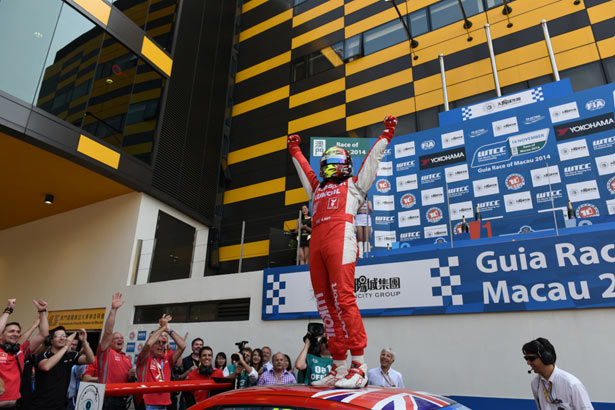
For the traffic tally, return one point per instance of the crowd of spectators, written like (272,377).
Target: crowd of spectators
(43,370)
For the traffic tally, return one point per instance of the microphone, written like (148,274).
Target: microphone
(529,372)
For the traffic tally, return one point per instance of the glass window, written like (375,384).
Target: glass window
(161,19)
(136,10)
(227,310)
(609,68)
(299,71)
(428,119)
(493,3)
(419,23)
(172,257)
(585,76)
(25,37)
(444,13)
(384,36)
(352,47)
(472,7)
(317,63)
(69,70)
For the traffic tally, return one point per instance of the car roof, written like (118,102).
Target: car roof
(370,397)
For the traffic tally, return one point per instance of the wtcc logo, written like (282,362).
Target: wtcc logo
(409,236)
(429,178)
(403,166)
(577,169)
(515,182)
(587,211)
(458,191)
(434,214)
(383,186)
(385,220)
(427,145)
(488,205)
(595,105)
(603,143)
(407,200)
(548,195)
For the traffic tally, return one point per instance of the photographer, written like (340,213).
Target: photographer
(245,375)
(314,361)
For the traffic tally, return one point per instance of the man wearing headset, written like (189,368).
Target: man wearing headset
(205,371)
(14,347)
(333,249)
(552,387)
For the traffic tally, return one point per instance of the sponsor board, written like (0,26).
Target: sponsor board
(487,186)
(406,182)
(461,209)
(605,164)
(384,202)
(384,239)
(319,146)
(583,191)
(587,211)
(404,150)
(405,165)
(432,196)
(573,150)
(581,128)
(385,169)
(434,214)
(503,151)
(487,206)
(409,218)
(407,200)
(578,169)
(514,182)
(436,231)
(545,176)
(505,126)
(431,178)
(456,173)
(547,196)
(610,206)
(518,201)
(564,112)
(452,139)
(442,158)
(458,191)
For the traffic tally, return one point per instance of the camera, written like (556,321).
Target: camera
(316,329)
(314,332)
(241,345)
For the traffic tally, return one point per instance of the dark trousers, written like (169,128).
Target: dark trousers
(114,403)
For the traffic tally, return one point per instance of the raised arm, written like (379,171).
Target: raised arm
(49,363)
(300,363)
(4,318)
(88,355)
(164,325)
(43,327)
(308,178)
(26,335)
(367,174)
(107,336)
(181,345)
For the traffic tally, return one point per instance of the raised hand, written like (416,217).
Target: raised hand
(70,338)
(164,320)
(293,141)
(83,335)
(116,301)
(11,303)
(390,121)
(40,305)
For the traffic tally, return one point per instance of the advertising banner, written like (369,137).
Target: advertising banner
(508,168)
(564,272)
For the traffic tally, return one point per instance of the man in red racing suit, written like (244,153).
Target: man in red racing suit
(333,254)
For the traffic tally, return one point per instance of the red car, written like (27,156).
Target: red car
(322,398)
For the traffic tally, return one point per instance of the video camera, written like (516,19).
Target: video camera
(241,345)
(314,332)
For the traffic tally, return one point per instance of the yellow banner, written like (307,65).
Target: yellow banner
(89,319)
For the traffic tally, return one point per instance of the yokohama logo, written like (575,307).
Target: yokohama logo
(584,127)
(442,158)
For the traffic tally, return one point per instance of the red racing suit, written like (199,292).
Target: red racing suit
(333,247)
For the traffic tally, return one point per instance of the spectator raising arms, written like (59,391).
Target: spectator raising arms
(154,363)
(14,347)
(53,368)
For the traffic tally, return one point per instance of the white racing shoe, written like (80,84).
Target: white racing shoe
(336,373)
(356,377)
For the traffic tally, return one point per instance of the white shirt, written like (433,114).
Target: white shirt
(392,378)
(563,386)
(267,366)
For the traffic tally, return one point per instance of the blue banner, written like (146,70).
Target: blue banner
(558,272)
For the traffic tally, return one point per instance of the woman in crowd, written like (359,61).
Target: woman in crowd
(257,361)
(305,222)
(220,363)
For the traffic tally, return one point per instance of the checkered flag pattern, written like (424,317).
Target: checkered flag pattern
(273,300)
(537,94)
(466,113)
(447,281)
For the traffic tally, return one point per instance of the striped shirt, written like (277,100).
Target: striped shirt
(269,377)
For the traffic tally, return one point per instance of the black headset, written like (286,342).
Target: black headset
(207,371)
(543,353)
(10,348)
